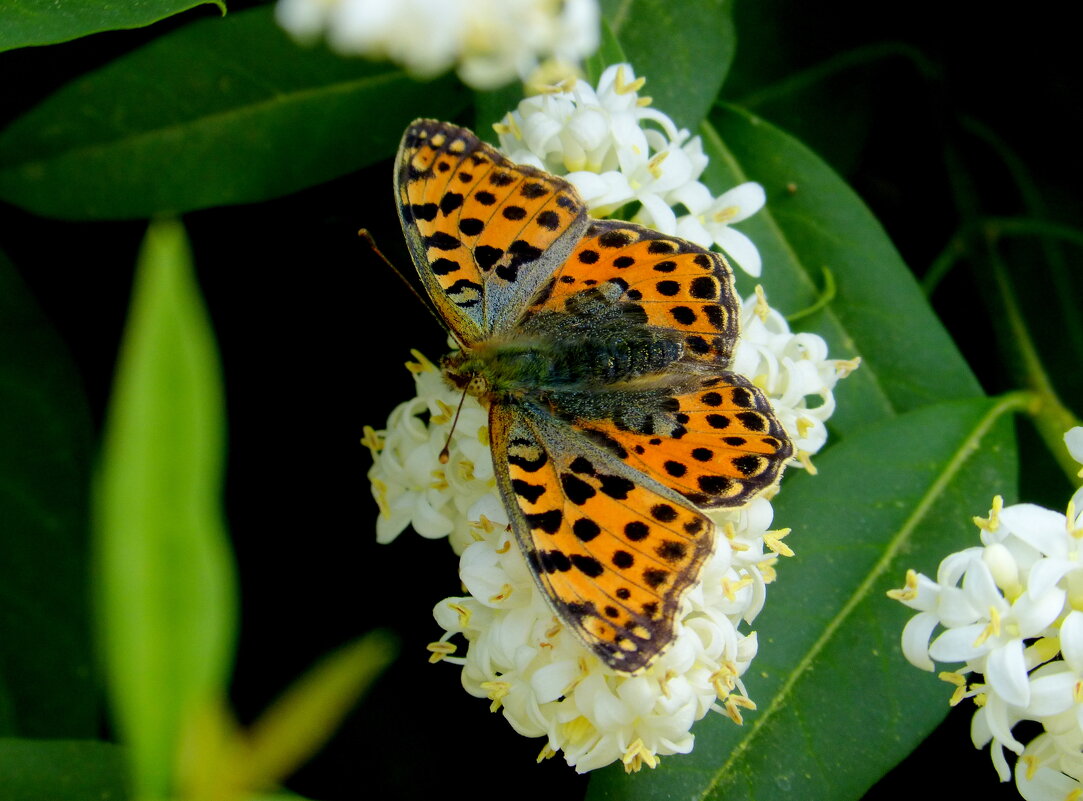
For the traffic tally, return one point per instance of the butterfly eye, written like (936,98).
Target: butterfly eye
(478,386)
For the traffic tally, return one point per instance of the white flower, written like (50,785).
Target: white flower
(792,369)
(1009,610)
(542,679)
(411,486)
(1074,442)
(490,42)
(616,150)
(547,684)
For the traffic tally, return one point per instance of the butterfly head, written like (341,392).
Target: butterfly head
(464,371)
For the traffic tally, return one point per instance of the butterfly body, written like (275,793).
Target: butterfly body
(567,352)
(600,348)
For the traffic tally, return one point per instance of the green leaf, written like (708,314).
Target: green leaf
(221,111)
(838,706)
(609,52)
(307,714)
(813,221)
(683,50)
(72,770)
(46,666)
(42,22)
(165,584)
(831,106)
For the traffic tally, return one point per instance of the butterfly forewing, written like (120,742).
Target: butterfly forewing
(681,287)
(612,550)
(484,233)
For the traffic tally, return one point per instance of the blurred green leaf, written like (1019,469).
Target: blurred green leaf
(838,706)
(45,455)
(683,50)
(61,770)
(493,106)
(812,221)
(609,52)
(830,106)
(165,591)
(42,22)
(298,724)
(221,111)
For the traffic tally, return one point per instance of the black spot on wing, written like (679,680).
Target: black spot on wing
(549,521)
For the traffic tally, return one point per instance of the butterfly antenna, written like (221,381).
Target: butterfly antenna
(364,234)
(445,454)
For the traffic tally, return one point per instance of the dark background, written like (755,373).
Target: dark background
(313,332)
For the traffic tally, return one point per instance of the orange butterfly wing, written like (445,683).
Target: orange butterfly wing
(484,232)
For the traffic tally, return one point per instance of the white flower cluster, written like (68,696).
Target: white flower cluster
(1010,611)
(491,42)
(616,150)
(542,679)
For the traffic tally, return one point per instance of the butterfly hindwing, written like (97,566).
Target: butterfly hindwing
(613,550)
(716,442)
(484,232)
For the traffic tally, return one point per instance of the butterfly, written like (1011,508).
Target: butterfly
(600,347)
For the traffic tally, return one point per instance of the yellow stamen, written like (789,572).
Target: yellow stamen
(439,480)
(1032,762)
(623,87)
(773,540)
(804,425)
(959,680)
(843,367)
(724,679)
(637,756)
(655,164)
(372,440)
(422,364)
(438,650)
(464,470)
(381,497)
(505,546)
(463,613)
(1044,649)
(645,101)
(445,416)
(909,592)
(732,706)
(763,309)
(1069,516)
(726,214)
(577,730)
(991,523)
(503,595)
(767,571)
(508,125)
(992,629)
(805,458)
(731,588)
(495,690)
(484,525)
(546,753)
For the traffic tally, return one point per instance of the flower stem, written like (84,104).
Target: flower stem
(1050,415)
